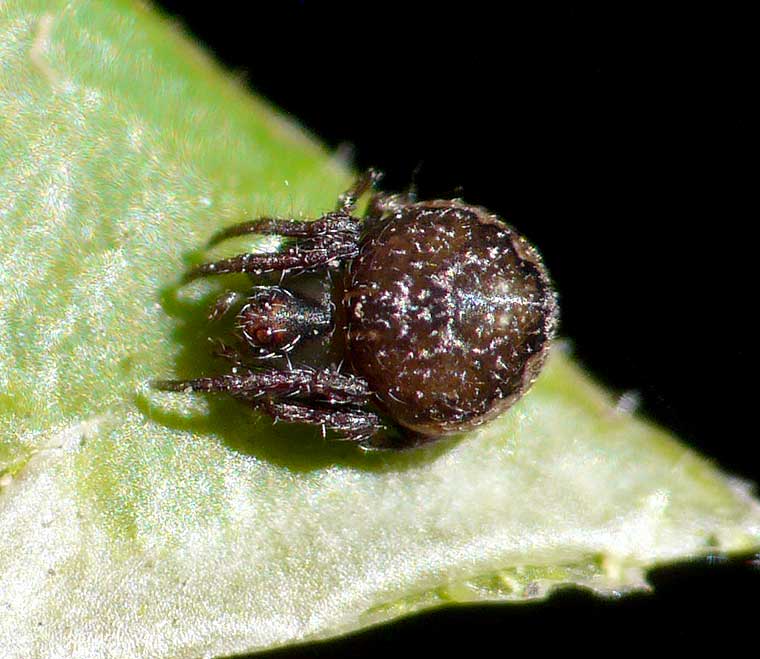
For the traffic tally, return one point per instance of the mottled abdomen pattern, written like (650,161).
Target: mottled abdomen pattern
(449,315)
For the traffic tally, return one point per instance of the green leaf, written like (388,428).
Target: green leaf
(151,525)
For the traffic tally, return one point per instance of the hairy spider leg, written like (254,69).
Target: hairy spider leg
(347,201)
(233,355)
(351,424)
(288,227)
(340,220)
(224,303)
(321,384)
(382,203)
(313,252)
(330,239)
(332,397)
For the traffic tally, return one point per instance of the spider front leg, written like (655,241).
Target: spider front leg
(287,227)
(324,385)
(325,398)
(224,303)
(350,423)
(331,239)
(383,203)
(348,200)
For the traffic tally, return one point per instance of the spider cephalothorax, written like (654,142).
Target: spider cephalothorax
(441,317)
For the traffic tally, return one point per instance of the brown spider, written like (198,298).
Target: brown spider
(442,314)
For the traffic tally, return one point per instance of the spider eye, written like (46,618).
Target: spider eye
(268,326)
(264,336)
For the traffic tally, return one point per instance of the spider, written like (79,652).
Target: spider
(440,314)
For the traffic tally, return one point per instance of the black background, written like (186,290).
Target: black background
(620,143)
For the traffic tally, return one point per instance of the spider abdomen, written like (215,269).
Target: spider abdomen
(449,315)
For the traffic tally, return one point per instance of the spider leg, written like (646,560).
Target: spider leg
(318,397)
(325,385)
(350,423)
(384,203)
(224,303)
(332,238)
(329,223)
(347,201)
(337,243)
(314,252)
(232,355)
